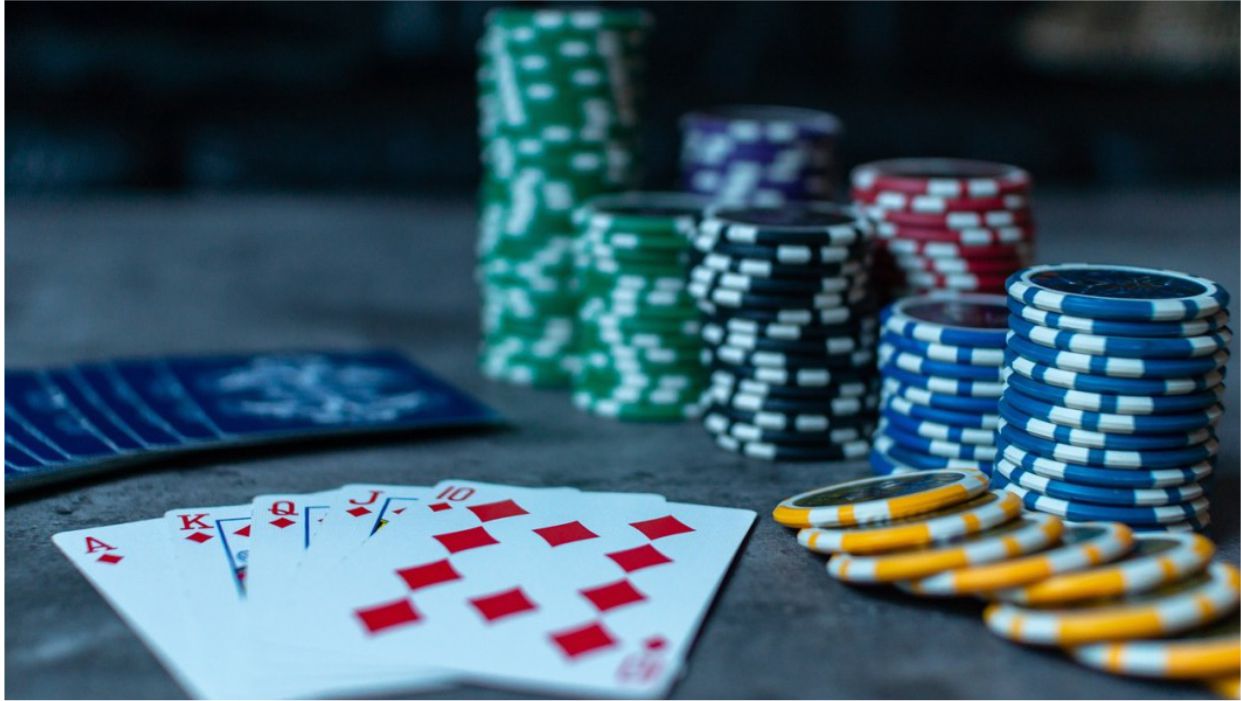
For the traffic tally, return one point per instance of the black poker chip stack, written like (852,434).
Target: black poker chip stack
(788,330)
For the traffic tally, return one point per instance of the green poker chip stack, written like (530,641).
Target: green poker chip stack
(559,93)
(637,337)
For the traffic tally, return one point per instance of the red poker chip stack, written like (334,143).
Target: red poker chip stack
(946,223)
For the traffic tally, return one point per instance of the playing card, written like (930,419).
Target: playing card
(150,382)
(16,431)
(17,458)
(34,404)
(280,394)
(488,580)
(106,386)
(211,555)
(83,401)
(129,564)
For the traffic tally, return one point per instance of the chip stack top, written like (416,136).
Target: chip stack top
(559,105)
(1114,380)
(941,356)
(789,330)
(946,223)
(637,334)
(762,155)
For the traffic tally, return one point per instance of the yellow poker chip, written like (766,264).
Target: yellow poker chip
(1165,611)
(880,499)
(984,511)
(1213,651)
(1226,687)
(1082,545)
(1031,532)
(1156,559)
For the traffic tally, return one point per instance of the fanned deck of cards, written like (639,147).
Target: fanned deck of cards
(64,423)
(384,588)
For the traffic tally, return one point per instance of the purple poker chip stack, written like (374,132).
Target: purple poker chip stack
(761,155)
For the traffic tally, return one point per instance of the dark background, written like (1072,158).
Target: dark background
(379,97)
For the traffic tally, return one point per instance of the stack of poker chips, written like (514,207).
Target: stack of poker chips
(1149,605)
(946,223)
(941,357)
(762,155)
(637,338)
(788,330)
(559,93)
(1114,381)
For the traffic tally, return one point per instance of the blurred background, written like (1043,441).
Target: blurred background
(379,97)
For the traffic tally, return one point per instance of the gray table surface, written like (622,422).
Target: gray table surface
(94,278)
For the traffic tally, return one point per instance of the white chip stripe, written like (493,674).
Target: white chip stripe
(1114,541)
(989,357)
(944,432)
(1156,309)
(1175,613)
(1063,507)
(1140,497)
(915,363)
(1171,477)
(935,204)
(1098,345)
(1109,458)
(1033,535)
(1112,366)
(1084,438)
(830,540)
(1140,573)
(1068,378)
(948,448)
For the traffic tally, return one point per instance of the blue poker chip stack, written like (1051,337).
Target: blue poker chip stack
(762,155)
(788,330)
(1113,386)
(941,356)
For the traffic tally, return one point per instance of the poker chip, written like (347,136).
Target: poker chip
(764,268)
(1156,559)
(911,362)
(794,421)
(895,403)
(1081,545)
(1116,367)
(1029,532)
(926,428)
(1069,379)
(1123,346)
(1118,292)
(936,447)
(1155,496)
(558,127)
(943,385)
(1084,511)
(1130,405)
(1102,476)
(939,232)
(1094,439)
(1125,459)
(941,177)
(1109,327)
(758,154)
(1114,423)
(1166,611)
(887,447)
(940,352)
(977,321)
(923,397)
(645,366)
(879,499)
(783,343)
(984,511)
(1211,651)
(1113,389)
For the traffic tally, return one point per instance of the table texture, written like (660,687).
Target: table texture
(143,275)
